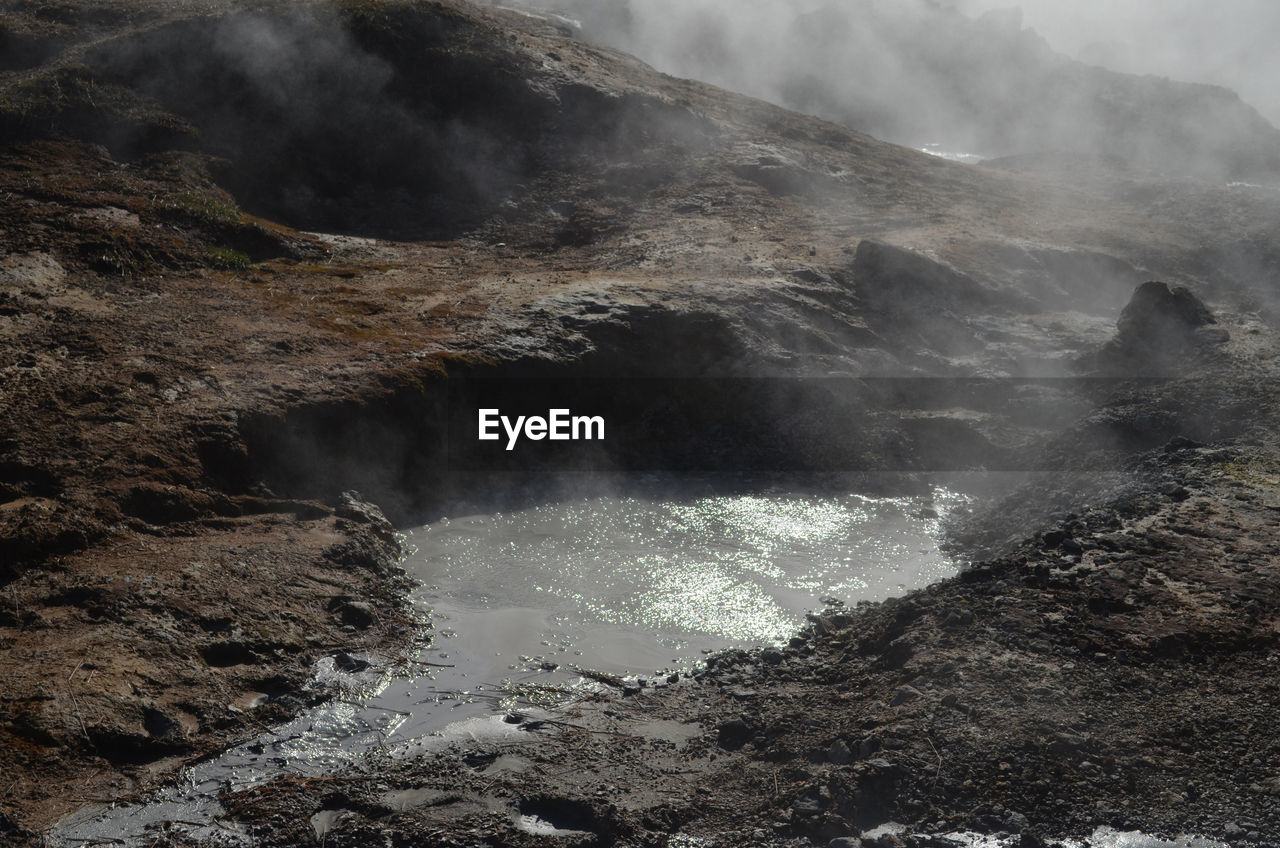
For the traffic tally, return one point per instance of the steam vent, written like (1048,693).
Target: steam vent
(430,422)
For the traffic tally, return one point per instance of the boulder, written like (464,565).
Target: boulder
(1160,329)
(1160,316)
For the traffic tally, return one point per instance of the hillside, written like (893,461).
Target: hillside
(919,73)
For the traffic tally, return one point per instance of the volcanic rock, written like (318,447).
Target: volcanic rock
(1159,316)
(1159,331)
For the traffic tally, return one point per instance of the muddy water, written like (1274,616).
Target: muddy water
(524,600)
(630,584)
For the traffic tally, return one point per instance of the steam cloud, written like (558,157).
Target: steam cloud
(982,77)
(1229,43)
(320,130)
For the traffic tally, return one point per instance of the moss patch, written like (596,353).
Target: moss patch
(227,259)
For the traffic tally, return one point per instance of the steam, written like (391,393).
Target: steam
(971,77)
(319,130)
(1229,43)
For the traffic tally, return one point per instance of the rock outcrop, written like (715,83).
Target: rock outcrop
(1159,332)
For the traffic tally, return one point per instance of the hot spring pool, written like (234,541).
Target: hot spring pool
(631,583)
(638,580)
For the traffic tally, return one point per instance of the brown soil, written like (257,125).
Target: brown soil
(189,388)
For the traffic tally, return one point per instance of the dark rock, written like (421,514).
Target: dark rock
(1054,538)
(1066,743)
(904,695)
(223,454)
(897,653)
(810,802)
(372,545)
(1158,312)
(354,508)
(891,278)
(782,177)
(228,652)
(1015,822)
(839,753)
(821,624)
(357,614)
(344,662)
(1160,327)
(1181,443)
(733,734)
(919,298)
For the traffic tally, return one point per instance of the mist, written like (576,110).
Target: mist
(982,79)
(1229,43)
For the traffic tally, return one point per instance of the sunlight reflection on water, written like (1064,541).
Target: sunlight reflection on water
(739,568)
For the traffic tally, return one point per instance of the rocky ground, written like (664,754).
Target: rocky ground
(222,309)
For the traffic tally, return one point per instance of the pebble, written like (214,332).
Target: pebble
(904,695)
(733,733)
(1015,822)
(346,663)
